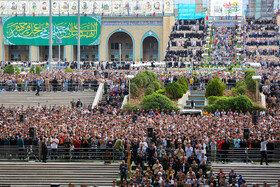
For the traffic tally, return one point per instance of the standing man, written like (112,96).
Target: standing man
(44,150)
(37,88)
(264,141)
(123,171)
(54,144)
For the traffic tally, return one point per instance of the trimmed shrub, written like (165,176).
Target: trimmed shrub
(130,107)
(68,70)
(151,76)
(240,83)
(138,81)
(145,79)
(241,90)
(150,90)
(183,84)
(156,85)
(215,87)
(9,69)
(133,89)
(241,102)
(234,92)
(38,69)
(161,91)
(158,101)
(174,90)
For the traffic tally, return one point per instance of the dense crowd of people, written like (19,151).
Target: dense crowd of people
(180,148)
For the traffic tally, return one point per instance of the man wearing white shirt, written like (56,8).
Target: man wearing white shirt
(54,145)
(264,150)
(188,150)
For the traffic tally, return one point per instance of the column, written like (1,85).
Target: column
(68,52)
(33,53)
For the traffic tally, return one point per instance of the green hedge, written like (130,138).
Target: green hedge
(215,87)
(9,69)
(240,103)
(130,107)
(158,101)
(174,90)
(134,89)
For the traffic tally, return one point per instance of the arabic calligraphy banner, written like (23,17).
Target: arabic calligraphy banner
(35,30)
(226,8)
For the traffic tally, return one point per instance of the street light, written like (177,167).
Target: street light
(256,77)
(129,77)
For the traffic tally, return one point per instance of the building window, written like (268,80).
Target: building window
(128,45)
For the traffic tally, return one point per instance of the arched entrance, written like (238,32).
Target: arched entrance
(120,44)
(150,49)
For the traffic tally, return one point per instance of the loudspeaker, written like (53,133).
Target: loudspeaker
(106,75)
(246,134)
(32,132)
(255,119)
(150,132)
(21,118)
(55,185)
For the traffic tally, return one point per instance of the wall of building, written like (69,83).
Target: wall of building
(138,29)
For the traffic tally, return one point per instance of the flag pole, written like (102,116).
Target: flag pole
(79,37)
(50,34)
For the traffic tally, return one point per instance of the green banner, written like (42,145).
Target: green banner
(35,30)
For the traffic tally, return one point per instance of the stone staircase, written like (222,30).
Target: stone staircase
(45,98)
(27,174)
(252,173)
(198,97)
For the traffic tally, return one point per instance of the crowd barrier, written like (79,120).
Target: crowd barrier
(93,153)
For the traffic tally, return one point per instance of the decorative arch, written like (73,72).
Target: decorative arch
(147,34)
(120,30)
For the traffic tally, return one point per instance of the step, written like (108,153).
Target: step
(195,101)
(196,97)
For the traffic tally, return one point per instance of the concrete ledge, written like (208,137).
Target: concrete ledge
(124,101)
(182,101)
(98,95)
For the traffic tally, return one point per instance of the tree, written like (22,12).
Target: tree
(158,101)
(17,70)
(38,69)
(215,87)
(9,69)
(68,70)
(174,90)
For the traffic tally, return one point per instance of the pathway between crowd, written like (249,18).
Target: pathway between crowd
(253,173)
(45,98)
(31,174)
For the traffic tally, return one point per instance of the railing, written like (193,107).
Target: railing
(49,87)
(242,155)
(93,153)
(32,152)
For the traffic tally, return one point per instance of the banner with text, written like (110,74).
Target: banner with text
(35,30)
(226,8)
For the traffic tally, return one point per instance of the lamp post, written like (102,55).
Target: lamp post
(129,78)
(257,77)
